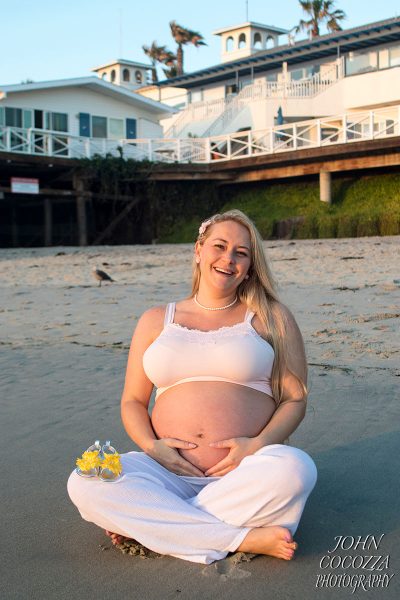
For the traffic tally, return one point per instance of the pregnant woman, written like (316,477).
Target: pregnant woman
(214,475)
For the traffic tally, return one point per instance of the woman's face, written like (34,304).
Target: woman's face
(225,256)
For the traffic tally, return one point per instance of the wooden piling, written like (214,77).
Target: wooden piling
(48,222)
(79,187)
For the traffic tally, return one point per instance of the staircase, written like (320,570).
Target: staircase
(234,106)
(264,90)
(195,113)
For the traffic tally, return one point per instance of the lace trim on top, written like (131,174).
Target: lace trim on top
(198,336)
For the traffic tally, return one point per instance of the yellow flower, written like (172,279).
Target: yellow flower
(89,461)
(112,462)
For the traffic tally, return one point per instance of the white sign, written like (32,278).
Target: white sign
(23,185)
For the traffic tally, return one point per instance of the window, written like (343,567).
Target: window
(242,40)
(310,71)
(229,44)
(270,42)
(394,54)
(27,119)
(195,96)
(113,75)
(13,117)
(126,76)
(257,41)
(272,77)
(296,75)
(16,117)
(103,127)
(138,77)
(304,73)
(99,127)
(56,121)
(116,129)
(361,62)
(104,75)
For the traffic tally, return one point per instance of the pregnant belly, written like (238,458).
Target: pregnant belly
(204,412)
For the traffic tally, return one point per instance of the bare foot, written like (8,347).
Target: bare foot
(116,538)
(274,541)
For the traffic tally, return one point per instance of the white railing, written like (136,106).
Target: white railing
(307,88)
(262,89)
(348,128)
(226,109)
(41,142)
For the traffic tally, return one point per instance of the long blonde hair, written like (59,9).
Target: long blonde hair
(259,293)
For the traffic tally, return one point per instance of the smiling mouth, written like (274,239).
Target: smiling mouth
(223,271)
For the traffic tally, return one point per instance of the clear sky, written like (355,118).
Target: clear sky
(48,39)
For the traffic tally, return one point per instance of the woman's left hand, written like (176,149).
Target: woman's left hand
(238,449)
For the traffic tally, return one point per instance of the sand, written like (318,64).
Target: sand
(63,350)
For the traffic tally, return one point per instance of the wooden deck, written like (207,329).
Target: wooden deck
(60,180)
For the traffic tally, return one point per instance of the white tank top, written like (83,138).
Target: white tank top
(236,354)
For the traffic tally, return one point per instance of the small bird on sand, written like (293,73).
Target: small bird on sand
(101,275)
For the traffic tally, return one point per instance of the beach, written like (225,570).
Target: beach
(63,353)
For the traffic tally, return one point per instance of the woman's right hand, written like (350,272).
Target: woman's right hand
(165,452)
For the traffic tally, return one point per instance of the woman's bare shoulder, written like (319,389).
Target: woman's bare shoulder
(289,318)
(153,316)
(280,311)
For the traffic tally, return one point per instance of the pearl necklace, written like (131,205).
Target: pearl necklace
(215,308)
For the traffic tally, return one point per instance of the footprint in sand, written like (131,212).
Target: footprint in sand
(228,568)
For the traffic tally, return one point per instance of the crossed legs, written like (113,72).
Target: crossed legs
(255,508)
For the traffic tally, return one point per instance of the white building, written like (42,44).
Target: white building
(253,89)
(84,115)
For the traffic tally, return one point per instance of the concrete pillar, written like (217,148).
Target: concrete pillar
(285,74)
(325,187)
(48,222)
(79,187)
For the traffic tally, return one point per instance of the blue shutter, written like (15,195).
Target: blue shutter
(84,124)
(131,129)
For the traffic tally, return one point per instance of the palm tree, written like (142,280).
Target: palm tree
(320,11)
(171,72)
(184,36)
(159,54)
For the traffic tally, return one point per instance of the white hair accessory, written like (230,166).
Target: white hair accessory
(204,225)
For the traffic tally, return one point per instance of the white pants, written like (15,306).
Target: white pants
(199,519)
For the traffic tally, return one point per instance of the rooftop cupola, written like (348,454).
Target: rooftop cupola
(246,39)
(124,72)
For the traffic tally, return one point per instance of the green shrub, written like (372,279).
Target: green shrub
(265,227)
(389,224)
(327,227)
(362,206)
(347,226)
(367,226)
(308,229)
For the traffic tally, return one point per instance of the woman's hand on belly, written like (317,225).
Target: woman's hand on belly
(239,448)
(165,451)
